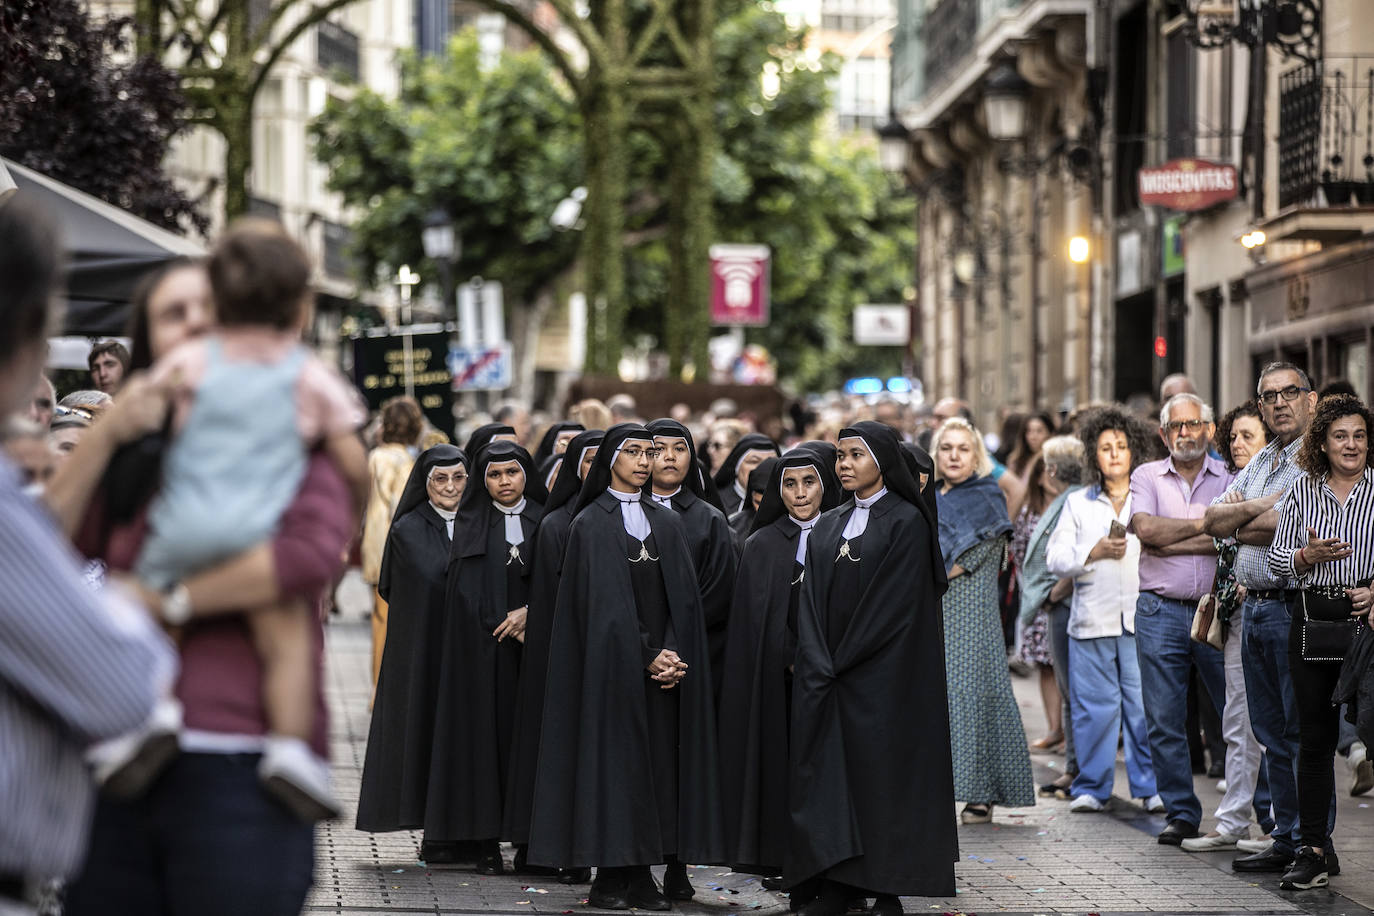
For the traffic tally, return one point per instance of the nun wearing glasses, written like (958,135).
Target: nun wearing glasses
(628,772)
(870,803)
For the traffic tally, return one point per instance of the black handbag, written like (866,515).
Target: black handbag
(1328,629)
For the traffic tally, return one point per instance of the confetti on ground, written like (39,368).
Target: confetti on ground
(522,903)
(1038,890)
(1020,858)
(1043,833)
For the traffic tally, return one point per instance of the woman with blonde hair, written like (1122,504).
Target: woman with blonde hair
(389,466)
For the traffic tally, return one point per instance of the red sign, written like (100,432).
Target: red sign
(1188,184)
(740,282)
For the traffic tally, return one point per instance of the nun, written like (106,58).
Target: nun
(732,478)
(758,661)
(870,805)
(555,440)
(414,564)
(628,772)
(676,485)
(742,522)
(550,541)
(484,435)
(485,597)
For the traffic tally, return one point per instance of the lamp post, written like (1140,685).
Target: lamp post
(894,145)
(443,247)
(407,280)
(1004,104)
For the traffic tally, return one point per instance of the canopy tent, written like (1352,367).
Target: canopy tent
(108,250)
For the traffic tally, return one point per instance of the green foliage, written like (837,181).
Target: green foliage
(497,149)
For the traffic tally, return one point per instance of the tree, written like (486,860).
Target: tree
(496,149)
(68,110)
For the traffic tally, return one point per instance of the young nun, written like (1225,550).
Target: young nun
(627,772)
(733,477)
(871,804)
(555,441)
(550,541)
(486,434)
(412,580)
(758,659)
(677,486)
(742,522)
(492,539)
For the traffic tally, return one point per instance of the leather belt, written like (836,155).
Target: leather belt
(1273,594)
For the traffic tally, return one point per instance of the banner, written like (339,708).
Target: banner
(379,372)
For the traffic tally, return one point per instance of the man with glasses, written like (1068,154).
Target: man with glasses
(1177,564)
(1246,513)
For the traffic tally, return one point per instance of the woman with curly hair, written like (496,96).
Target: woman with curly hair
(1240,435)
(1322,542)
(1091,545)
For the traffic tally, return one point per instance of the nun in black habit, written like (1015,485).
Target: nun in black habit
(556,439)
(871,803)
(414,565)
(677,485)
(484,435)
(550,541)
(758,656)
(484,627)
(733,476)
(742,522)
(628,773)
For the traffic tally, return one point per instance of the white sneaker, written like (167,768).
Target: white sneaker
(1086,804)
(1221,786)
(1211,841)
(1154,804)
(1361,769)
(1263,844)
(124,767)
(298,778)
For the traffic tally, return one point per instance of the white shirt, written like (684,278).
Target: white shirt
(858,519)
(1104,591)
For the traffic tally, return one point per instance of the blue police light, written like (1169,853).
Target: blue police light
(899,385)
(863,386)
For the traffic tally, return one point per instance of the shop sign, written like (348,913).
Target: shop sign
(1187,184)
(740,280)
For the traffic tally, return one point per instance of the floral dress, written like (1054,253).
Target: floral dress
(1035,636)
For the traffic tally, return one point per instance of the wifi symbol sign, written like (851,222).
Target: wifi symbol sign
(739,288)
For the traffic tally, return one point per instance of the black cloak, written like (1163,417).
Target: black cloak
(550,540)
(712,546)
(742,522)
(725,478)
(479,677)
(546,445)
(414,564)
(871,803)
(596,792)
(482,436)
(762,643)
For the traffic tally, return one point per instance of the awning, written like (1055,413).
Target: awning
(108,250)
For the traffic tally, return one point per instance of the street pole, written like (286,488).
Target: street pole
(406,281)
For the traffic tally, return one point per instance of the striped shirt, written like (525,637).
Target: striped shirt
(1311,504)
(76,666)
(1274,470)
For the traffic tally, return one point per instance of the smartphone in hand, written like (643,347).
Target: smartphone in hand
(1117,530)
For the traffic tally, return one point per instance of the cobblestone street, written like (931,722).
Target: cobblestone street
(1033,860)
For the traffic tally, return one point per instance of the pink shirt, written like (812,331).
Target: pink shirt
(1159,490)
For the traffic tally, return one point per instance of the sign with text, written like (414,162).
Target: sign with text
(740,283)
(882,325)
(481,368)
(1187,184)
(379,367)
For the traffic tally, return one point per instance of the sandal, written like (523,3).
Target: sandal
(1048,743)
(976,814)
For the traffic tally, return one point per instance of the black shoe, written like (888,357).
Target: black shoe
(574,875)
(1271,861)
(1217,770)
(490,863)
(831,902)
(521,866)
(442,853)
(608,890)
(1176,833)
(1308,871)
(772,884)
(644,893)
(1333,865)
(675,883)
(886,905)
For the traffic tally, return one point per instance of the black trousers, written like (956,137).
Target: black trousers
(1319,733)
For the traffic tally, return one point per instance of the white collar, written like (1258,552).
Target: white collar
(740,491)
(632,514)
(804,536)
(667,498)
(858,520)
(447,516)
(515,532)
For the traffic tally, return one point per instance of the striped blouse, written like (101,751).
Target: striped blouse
(1311,504)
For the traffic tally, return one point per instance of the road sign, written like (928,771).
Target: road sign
(481,368)
(882,325)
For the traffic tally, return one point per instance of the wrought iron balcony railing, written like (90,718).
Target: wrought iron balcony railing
(1326,133)
(948,34)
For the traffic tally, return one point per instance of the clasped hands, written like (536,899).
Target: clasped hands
(667,668)
(513,625)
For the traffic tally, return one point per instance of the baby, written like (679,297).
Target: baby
(249,403)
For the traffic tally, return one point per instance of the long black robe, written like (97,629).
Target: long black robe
(872,788)
(480,676)
(713,558)
(724,480)
(595,799)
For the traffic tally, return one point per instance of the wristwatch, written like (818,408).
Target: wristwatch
(176,605)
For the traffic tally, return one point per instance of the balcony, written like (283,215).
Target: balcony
(337,50)
(1326,151)
(948,34)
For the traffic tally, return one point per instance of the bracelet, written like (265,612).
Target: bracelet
(1302,556)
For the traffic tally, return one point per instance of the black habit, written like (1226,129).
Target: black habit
(610,778)
(726,484)
(871,790)
(479,678)
(414,564)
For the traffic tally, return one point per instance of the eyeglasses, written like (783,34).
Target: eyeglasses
(440,480)
(61,411)
(634,454)
(1289,394)
(1192,426)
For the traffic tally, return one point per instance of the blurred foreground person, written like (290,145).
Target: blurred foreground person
(75,666)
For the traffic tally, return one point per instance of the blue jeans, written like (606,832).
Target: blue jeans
(1104,687)
(1059,653)
(1167,654)
(1274,712)
(204,841)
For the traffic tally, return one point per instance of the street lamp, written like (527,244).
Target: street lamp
(1004,103)
(1079,249)
(894,145)
(443,247)
(1291,26)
